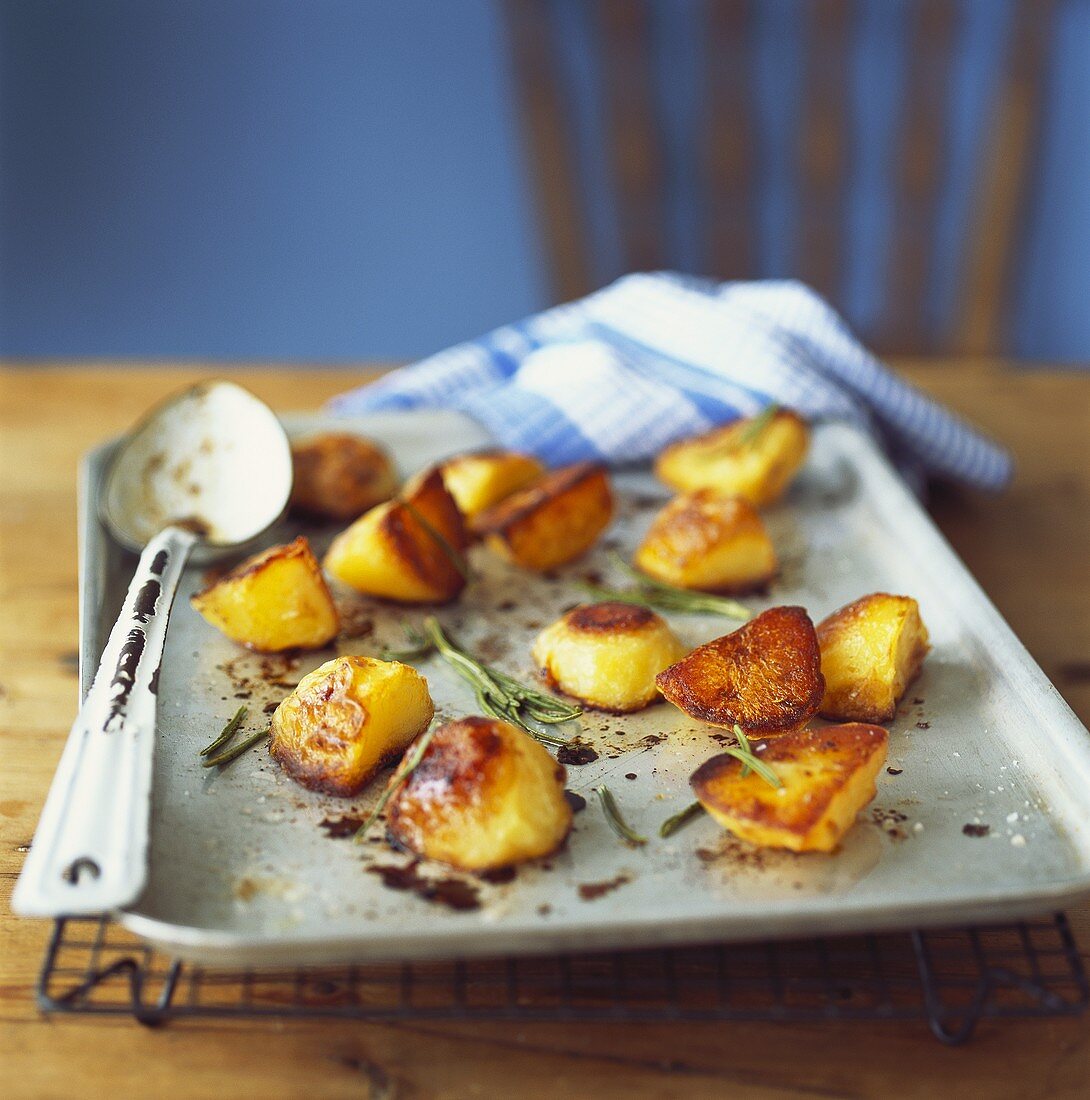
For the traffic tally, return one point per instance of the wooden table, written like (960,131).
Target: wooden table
(1030,549)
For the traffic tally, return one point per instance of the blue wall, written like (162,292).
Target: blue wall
(268,179)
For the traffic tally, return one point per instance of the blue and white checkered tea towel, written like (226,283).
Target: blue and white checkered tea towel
(654,358)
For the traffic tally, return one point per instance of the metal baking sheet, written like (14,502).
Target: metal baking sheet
(244,869)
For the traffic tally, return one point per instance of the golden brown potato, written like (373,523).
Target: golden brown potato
(758,470)
(485,795)
(871,651)
(766,676)
(553,521)
(480,479)
(274,601)
(607,655)
(827,775)
(708,542)
(347,718)
(408,549)
(340,476)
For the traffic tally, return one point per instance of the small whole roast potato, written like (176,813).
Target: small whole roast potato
(345,719)
(709,542)
(871,650)
(827,777)
(553,521)
(484,795)
(274,601)
(607,655)
(339,475)
(480,479)
(734,461)
(408,549)
(766,676)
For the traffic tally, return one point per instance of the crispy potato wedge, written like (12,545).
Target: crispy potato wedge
(758,470)
(480,479)
(827,775)
(553,521)
(607,655)
(766,676)
(340,476)
(708,542)
(405,549)
(871,651)
(485,795)
(345,719)
(274,601)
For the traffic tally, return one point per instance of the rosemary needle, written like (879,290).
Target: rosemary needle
(672,824)
(226,733)
(235,751)
(750,760)
(649,592)
(409,763)
(613,816)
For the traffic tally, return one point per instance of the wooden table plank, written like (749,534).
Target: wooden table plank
(1029,548)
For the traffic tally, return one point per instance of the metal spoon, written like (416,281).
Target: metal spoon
(206,471)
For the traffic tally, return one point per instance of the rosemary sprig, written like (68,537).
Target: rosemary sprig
(613,816)
(501,695)
(748,436)
(235,751)
(226,733)
(409,763)
(672,824)
(418,647)
(750,760)
(649,592)
(455,557)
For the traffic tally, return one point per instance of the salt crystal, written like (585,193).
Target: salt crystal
(1018,841)
(1011,818)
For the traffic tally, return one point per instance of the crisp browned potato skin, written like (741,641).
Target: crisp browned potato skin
(553,521)
(389,553)
(827,776)
(274,601)
(485,795)
(346,719)
(871,650)
(708,542)
(607,655)
(766,675)
(339,476)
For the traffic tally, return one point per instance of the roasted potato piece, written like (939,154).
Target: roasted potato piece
(828,777)
(276,600)
(766,676)
(340,476)
(552,521)
(485,795)
(607,655)
(871,651)
(406,549)
(724,460)
(345,719)
(708,542)
(480,479)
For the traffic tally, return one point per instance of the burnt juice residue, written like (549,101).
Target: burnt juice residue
(452,893)
(576,801)
(339,827)
(498,875)
(576,754)
(588,891)
(976,830)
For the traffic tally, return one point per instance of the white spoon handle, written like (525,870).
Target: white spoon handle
(89,854)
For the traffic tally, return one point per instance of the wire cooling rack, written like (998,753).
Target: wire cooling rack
(950,979)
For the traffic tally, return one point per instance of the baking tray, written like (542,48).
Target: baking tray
(981,815)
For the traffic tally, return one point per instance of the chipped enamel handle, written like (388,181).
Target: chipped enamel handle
(89,854)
